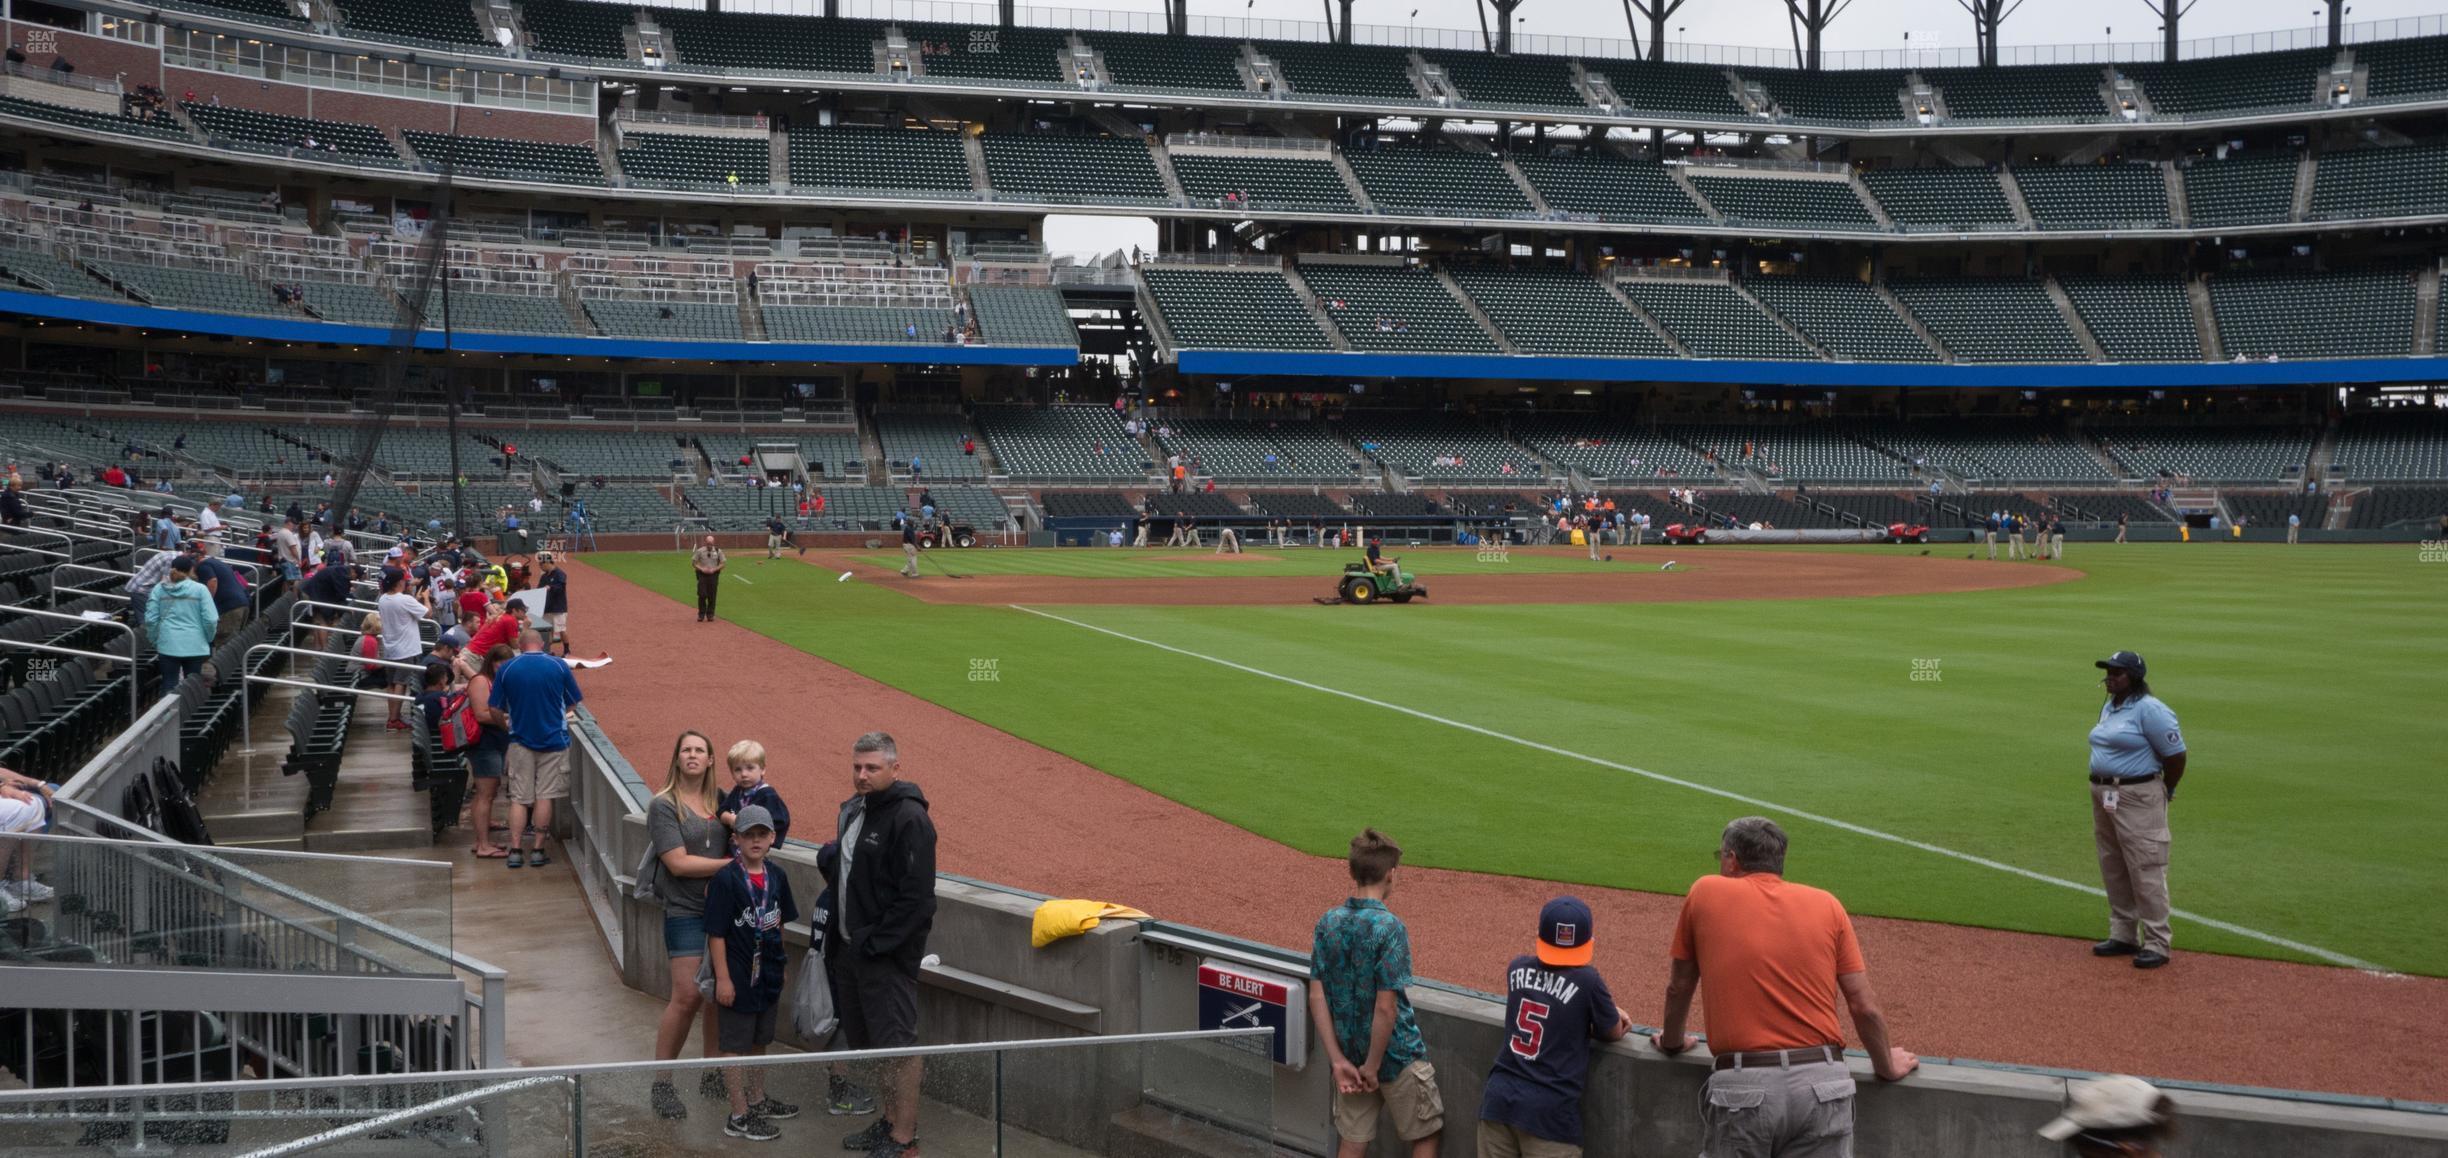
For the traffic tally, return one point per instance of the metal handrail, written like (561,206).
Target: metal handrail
(247,719)
(45,551)
(257,569)
(135,692)
(494,980)
(416,1113)
(584,1069)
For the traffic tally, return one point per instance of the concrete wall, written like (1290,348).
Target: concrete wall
(992,986)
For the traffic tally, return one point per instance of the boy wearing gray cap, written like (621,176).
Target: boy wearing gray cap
(746,905)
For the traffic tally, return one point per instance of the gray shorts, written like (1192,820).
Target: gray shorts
(737,1032)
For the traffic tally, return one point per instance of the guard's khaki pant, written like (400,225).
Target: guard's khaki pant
(2133,858)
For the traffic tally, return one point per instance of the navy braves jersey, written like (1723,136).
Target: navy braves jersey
(1551,1015)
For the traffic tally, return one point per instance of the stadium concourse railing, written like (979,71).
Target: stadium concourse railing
(1029,1097)
(985,982)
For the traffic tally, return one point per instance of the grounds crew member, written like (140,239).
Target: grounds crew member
(2137,756)
(909,546)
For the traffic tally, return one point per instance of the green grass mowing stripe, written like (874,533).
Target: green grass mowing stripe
(1156,563)
(1806,703)
(1770,806)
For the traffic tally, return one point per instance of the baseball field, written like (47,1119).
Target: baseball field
(1918,728)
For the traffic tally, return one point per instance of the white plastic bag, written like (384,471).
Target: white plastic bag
(810,1001)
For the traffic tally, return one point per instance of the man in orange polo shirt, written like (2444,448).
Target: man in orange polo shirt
(1773,955)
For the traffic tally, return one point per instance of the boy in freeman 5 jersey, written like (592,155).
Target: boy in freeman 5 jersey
(1555,1003)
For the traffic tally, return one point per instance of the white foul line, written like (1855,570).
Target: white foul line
(1763,805)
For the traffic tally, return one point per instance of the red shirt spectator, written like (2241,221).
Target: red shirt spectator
(503,628)
(472,607)
(114,476)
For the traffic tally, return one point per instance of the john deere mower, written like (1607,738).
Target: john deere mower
(1361,585)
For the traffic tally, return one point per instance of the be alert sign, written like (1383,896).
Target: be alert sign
(1237,997)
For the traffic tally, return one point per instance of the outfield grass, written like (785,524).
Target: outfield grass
(1153,563)
(2307,679)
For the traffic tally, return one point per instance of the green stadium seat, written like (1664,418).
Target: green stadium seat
(1712,320)
(1848,318)
(1785,202)
(1383,307)
(1940,199)
(1434,183)
(1072,169)
(2241,190)
(1991,319)
(1559,311)
(2094,196)
(2137,319)
(1232,309)
(1611,189)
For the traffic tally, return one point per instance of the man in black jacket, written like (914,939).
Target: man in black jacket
(884,890)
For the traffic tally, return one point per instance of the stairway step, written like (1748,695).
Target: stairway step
(368,839)
(234,827)
(275,844)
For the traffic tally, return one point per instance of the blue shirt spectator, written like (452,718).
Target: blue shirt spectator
(229,587)
(537,691)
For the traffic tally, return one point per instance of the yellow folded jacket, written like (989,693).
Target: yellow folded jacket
(1057,919)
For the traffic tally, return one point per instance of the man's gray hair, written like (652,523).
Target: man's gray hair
(878,742)
(1757,844)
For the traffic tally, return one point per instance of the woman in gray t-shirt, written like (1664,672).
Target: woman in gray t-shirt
(690,846)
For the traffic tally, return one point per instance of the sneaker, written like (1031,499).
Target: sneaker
(10,906)
(32,892)
(844,1100)
(518,859)
(751,1127)
(891,1149)
(538,859)
(710,1085)
(773,1109)
(878,1131)
(667,1102)
(395,725)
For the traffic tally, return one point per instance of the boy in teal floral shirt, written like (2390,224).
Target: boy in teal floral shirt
(1359,965)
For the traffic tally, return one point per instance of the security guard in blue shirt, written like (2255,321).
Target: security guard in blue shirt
(2137,756)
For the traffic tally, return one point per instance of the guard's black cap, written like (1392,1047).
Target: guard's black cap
(2128,661)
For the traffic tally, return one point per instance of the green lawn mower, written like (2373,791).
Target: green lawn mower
(1361,585)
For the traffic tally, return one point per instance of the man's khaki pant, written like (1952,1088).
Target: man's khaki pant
(1993,544)
(1141,540)
(2133,858)
(909,557)
(2014,545)
(1803,1111)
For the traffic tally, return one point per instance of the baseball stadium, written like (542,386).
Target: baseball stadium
(657,577)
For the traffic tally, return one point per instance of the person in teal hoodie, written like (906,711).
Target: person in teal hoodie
(179,619)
